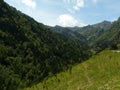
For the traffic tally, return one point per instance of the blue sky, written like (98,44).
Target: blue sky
(69,12)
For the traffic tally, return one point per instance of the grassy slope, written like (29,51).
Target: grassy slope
(101,72)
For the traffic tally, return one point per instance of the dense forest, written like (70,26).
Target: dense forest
(97,36)
(30,52)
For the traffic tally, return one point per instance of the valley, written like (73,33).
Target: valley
(35,56)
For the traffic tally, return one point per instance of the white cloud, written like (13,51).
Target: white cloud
(79,4)
(67,20)
(29,3)
(75,4)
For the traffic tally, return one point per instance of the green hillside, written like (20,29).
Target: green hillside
(29,51)
(101,72)
(32,53)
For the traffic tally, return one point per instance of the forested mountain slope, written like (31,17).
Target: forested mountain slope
(92,32)
(88,34)
(69,33)
(98,36)
(110,38)
(29,51)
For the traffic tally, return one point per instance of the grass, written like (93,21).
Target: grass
(101,72)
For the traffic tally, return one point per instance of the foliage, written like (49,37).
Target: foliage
(29,51)
(69,33)
(89,34)
(110,38)
(101,72)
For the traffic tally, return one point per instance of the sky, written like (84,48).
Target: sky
(69,13)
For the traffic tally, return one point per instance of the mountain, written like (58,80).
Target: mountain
(30,52)
(104,25)
(92,32)
(98,36)
(87,34)
(102,35)
(67,32)
(101,72)
(110,38)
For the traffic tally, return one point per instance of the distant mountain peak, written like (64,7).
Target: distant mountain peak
(104,25)
(119,19)
(57,26)
(105,21)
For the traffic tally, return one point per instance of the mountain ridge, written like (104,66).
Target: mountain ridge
(31,52)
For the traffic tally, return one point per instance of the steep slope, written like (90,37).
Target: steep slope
(88,34)
(92,32)
(67,32)
(105,25)
(101,72)
(95,28)
(98,36)
(29,51)
(111,37)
